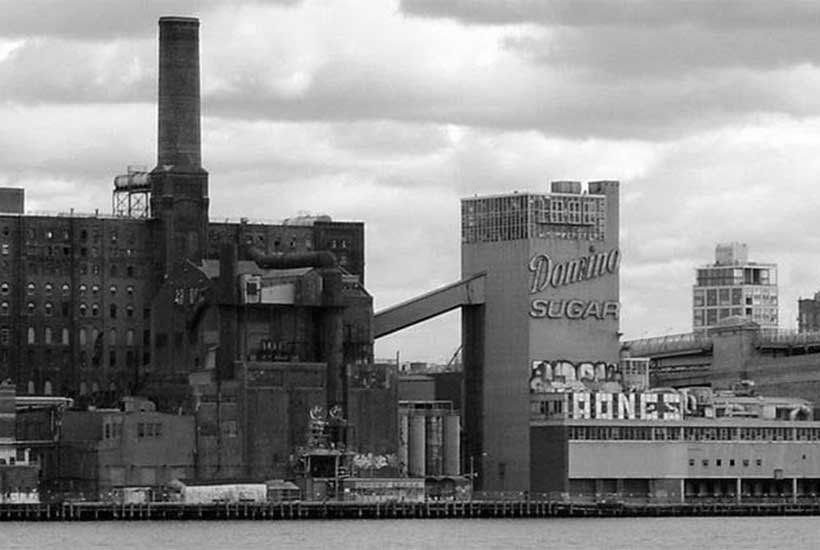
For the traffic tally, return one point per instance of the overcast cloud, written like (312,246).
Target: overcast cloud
(389,112)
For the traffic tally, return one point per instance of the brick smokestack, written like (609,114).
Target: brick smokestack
(179,184)
(179,127)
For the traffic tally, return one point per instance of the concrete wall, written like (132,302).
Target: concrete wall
(671,459)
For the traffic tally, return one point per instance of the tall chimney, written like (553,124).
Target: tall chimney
(179,130)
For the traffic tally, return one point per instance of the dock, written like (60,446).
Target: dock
(102,511)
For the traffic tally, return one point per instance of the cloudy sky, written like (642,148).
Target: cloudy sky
(390,111)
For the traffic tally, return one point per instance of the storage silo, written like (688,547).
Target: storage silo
(452,445)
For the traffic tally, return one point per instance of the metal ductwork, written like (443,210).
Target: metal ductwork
(288,260)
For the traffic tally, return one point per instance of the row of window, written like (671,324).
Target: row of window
(65,289)
(673,433)
(746,462)
(149,429)
(83,309)
(52,234)
(49,336)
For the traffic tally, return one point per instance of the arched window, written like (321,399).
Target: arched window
(82,337)
(95,289)
(47,335)
(30,307)
(129,337)
(30,336)
(47,387)
(30,288)
(95,310)
(95,387)
(66,289)
(48,288)
(130,290)
(113,311)
(83,288)
(129,311)
(113,289)
(83,388)
(49,308)
(5,289)
(112,337)
(65,337)
(30,387)
(4,308)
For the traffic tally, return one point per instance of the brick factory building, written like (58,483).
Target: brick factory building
(157,301)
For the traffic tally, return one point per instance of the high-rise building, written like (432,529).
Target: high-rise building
(808,314)
(734,287)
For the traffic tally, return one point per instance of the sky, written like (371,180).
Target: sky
(389,112)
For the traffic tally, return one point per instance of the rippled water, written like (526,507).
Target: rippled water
(472,534)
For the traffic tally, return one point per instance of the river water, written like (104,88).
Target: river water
(470,534)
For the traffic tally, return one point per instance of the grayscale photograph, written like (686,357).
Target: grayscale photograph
(409,274)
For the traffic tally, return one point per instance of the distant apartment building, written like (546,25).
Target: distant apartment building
(808,314)
(734,287)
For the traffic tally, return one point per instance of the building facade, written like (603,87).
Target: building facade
(551,305)
(734,287)
(808,314)
(675,446)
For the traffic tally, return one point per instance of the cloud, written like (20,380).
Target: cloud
(100,19)
(632,13)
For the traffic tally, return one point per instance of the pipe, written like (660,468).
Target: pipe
(287,260)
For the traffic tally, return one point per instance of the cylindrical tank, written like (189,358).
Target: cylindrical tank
(435,445)
(416,451)
(404,438)
(452,445)
(178,128)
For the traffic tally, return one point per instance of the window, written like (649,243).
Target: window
(705,462)
(30,288)
(113,311)
(129,290)
(65,289)
(731,462)
(47,335)
(113,289)
(691,461)
(5,289)
(49,308)
(95,289)
(129,337)
(95,310)
(4,249)
(759,462)
(4,308)
(83,288)
(82,336)
(83,309)
(30,336)
(47,387)
(129,271)
(745,462)
(112,337)
(719,462)
(5,336)
(129,311)
(112,358)
(30,307)
(48,288)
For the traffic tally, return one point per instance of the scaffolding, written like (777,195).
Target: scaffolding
(132,193)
